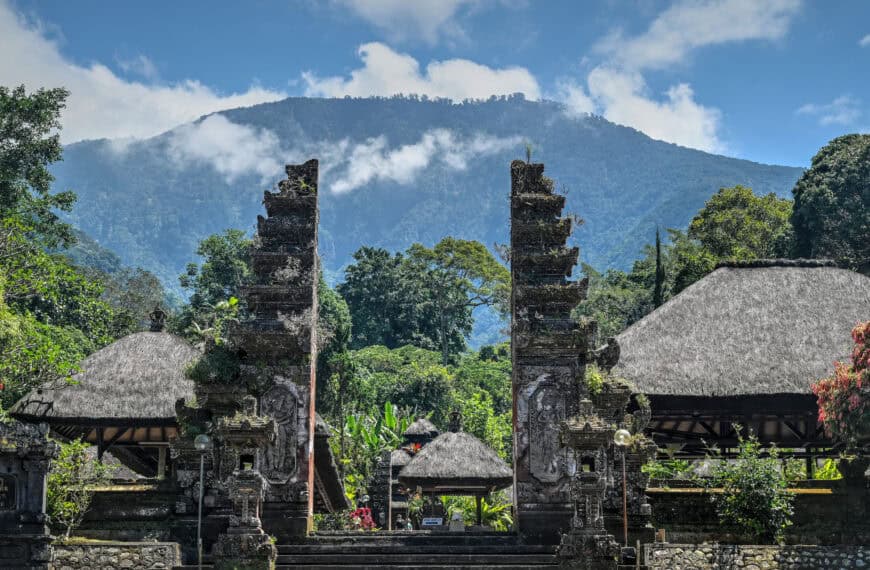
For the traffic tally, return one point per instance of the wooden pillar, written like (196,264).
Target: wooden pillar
(161,462)
(479,510)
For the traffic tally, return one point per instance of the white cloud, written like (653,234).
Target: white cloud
(577,102)
(843,110)
(372,161)
(401,20)
(678,118)
(686,26)
(387,72)
(865,41)
(230,148)
(235,150)
(101,104)
(140,65)
(617,90)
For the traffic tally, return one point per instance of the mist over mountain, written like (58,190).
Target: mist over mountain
(393,171)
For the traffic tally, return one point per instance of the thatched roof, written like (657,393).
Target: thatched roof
(767,328)
(456,461)
(137,377)
(400,458)
(422,427)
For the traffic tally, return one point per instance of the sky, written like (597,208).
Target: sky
(770,81)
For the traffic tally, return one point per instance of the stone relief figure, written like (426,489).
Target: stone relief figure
(546,409)
(279,458)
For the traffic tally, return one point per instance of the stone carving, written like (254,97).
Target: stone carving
(546,456)
(279,458)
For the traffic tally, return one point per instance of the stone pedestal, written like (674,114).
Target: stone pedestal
(25,456)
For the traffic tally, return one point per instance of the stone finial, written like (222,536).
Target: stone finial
(158,319)
(455,421)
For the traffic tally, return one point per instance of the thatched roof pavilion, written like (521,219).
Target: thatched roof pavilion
(743,345)
(457,463)
(420,431)
(123,398)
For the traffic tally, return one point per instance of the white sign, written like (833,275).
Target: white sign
(432,521)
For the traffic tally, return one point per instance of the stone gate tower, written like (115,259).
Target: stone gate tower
(278,346)
(549,351)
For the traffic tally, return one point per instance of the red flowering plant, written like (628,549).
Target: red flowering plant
(361,519)
(844,397)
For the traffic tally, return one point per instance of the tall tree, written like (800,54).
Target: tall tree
(460,275)
(737,224)
(659,287)
(214,284)
(29,142)
(832,204)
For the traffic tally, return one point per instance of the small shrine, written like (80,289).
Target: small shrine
(25,455)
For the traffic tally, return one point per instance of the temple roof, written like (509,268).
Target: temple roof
(454,463)
(137,377)
(763,327)
(421,427)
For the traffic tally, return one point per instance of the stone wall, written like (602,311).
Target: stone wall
(139,555)
(752,557)
(830,515)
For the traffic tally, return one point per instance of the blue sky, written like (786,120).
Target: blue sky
(770,81)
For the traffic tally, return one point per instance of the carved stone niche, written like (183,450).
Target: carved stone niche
(25,457)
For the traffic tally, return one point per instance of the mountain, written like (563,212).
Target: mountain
(393,171)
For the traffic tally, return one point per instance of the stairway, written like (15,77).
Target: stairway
(407,550)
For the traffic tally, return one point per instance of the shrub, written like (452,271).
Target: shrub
(844,397)
(755,495)
(71,482)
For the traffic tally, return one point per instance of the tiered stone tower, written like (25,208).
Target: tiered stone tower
(549,351)
(278,346)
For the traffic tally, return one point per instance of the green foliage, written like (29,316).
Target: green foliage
(495,510)
(29,143)
(71,482)
(832,203)
(737,224)
(828,471)
(218,365)
(755,495)
(52,313)
(594,379)
(360,440)
(214,285)
(424,297)
(667,469)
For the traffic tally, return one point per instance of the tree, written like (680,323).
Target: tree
(29,142)
(659,287)
(844,397)
(460,275)
(755,496)
(214,285)
(831,215)
(423,297)
(737,224)
(383,299)
(71,481)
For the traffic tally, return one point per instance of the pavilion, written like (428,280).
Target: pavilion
(742,346)
(124,399)
(457,463)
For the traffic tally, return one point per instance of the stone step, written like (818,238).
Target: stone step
(392,548)
(378,566)
(410,558)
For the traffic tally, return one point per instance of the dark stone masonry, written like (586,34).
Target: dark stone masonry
(134,555)
(726,557)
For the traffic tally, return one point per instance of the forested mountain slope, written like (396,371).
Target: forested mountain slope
(394,171)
